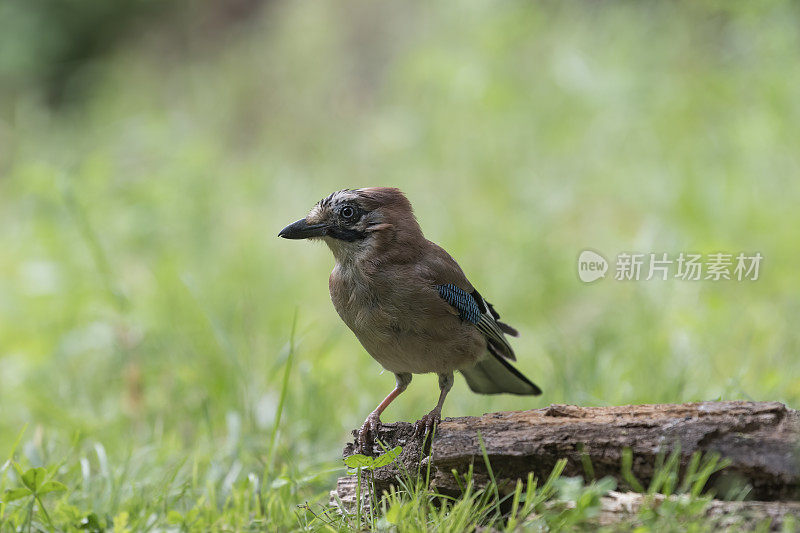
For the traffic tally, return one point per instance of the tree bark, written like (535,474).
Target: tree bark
(760,439)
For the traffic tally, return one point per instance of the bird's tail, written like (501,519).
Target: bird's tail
(495,375)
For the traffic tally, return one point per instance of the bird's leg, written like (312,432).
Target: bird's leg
(429,421)
(369,430)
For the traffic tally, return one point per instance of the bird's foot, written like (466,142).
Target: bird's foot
(368,433)
(426,424)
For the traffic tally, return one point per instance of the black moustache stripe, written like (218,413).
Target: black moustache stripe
(346,234)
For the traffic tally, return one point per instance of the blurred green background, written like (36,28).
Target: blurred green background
(150,153)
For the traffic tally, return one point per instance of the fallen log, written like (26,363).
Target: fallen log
(760,439)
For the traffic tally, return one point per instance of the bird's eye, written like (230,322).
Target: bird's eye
(347,212)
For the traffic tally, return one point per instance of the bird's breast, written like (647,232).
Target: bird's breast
(404,328)
(359,303)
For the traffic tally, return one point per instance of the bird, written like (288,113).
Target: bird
(408,301)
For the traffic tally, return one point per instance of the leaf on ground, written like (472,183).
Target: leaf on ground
(15,494)
(387,457)
(34,477)
(358,460)
(52,486)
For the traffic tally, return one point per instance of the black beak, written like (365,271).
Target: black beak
(302,230)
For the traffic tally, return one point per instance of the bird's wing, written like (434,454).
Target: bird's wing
(490,375)
(473,308)
(456,290)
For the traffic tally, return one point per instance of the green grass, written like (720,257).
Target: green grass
(147,309)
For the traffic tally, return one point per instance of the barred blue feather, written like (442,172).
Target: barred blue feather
(466,305)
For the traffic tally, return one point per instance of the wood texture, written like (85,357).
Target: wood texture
(761,439)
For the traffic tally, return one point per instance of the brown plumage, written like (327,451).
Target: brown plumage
(390,284)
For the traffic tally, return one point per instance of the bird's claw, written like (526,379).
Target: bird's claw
(368,433)
(426,424)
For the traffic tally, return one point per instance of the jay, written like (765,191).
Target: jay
(407,301)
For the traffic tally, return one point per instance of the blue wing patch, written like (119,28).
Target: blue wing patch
(460,299)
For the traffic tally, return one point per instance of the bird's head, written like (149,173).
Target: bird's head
(355,222)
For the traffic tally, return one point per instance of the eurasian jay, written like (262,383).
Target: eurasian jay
(408,301)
